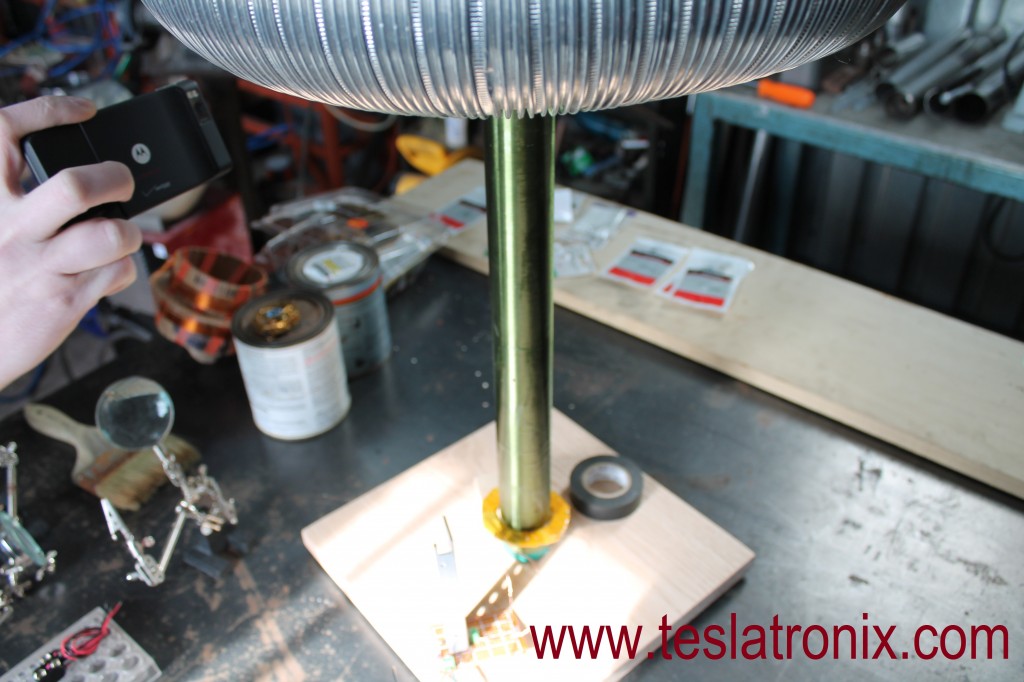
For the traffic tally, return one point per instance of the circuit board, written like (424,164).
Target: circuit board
(491,637)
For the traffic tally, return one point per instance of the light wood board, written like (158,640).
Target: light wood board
(940,388)
(664,559)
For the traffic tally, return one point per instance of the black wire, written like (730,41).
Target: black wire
(989,221)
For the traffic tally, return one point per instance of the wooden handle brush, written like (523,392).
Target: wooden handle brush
(126,477)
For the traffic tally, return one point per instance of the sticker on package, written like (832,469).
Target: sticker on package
(645,263)
(708,280)
(465,211)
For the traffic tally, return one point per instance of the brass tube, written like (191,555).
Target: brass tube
(520,196)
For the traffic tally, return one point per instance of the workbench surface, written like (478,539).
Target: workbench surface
(843,525)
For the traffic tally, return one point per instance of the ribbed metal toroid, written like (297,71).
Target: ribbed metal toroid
(478,58)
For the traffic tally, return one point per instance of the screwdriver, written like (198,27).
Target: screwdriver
(784,93)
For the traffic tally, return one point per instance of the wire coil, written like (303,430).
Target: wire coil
(478,58)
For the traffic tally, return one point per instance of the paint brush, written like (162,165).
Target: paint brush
(126,477)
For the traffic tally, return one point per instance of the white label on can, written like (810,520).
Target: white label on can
(332,267)
(299,391)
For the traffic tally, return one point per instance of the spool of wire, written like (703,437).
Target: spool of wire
(196,292)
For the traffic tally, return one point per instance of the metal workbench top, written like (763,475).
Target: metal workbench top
(843,525)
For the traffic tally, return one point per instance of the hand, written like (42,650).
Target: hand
(50,278)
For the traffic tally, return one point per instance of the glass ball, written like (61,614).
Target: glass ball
(134,413)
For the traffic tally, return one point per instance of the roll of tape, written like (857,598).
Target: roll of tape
(606,487)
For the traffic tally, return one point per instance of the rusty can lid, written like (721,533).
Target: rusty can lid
(282,318)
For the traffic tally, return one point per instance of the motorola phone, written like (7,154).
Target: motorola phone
(167,138)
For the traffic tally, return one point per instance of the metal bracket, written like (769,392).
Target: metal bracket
(456,634)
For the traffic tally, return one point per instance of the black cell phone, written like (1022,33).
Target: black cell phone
(167,138)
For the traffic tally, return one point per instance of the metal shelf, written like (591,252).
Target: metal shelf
(985,158)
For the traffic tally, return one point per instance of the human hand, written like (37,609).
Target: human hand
(49,278)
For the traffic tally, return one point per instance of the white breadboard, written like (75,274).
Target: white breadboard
(118,659)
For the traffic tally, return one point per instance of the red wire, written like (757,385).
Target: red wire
(86,641)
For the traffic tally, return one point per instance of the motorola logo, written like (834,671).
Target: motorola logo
(141,154)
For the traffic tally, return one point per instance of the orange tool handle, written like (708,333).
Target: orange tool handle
(784,93)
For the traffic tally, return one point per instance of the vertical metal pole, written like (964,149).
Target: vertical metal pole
(520,197)
(9,462)
(12,491)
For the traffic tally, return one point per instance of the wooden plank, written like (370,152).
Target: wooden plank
(666,559)
(940,388)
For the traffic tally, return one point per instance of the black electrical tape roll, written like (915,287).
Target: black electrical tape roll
(606,487)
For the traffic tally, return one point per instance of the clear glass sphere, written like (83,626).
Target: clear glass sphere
(134,413)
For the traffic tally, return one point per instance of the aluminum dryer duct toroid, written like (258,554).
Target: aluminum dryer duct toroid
(514,59)
(477,58)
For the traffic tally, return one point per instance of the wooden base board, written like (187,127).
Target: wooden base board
(666,559)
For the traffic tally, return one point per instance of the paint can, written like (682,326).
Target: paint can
(350,275)
(290,357)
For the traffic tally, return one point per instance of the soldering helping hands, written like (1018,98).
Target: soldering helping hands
(22,562)
(202,501)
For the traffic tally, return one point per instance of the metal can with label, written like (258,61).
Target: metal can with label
(350,276)
(290,356)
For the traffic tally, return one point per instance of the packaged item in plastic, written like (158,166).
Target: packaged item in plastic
(645,263)
(402,235)
(572,259)
(463,212)
(708,280)
(598,223)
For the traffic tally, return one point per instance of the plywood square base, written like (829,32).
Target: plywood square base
(666,559)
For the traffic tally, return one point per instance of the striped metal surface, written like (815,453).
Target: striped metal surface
(478,58)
